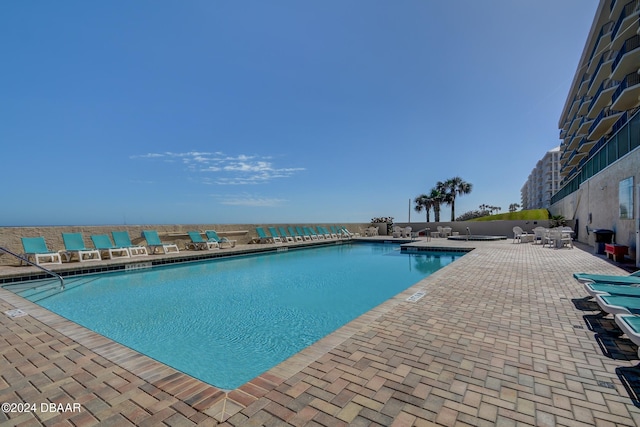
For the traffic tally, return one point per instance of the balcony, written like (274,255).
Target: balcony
(628,58)
(625,26)
(575,142)
(627,94)
(597,145)
(563,133)
(575,158)
(602,124)
(585,123)
(585,145)
(574,125)
(601,72)
(574,108)
(604,38)
(584,105)
(602,98)
(584,85)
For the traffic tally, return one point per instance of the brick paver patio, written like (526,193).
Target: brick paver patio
(503,336)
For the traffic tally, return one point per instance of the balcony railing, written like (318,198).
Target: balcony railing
(619,123)
(603,114)
(629,45)
(597,146)
(603,86)
(605,29)
(628,9)
(631,79)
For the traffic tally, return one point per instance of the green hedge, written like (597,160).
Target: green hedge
(528,215)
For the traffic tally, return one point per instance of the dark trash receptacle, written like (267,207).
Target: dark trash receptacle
(602,236)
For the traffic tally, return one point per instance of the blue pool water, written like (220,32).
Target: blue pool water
(227,321)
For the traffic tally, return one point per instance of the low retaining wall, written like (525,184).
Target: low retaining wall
(243,233)
(485,228)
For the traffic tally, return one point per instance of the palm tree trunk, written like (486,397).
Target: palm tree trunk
(453,209)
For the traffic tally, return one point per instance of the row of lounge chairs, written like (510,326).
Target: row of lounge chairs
(301,234)
(36,250)
(618,296)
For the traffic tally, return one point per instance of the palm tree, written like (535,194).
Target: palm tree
(437,197)
(453,187)
(423,202)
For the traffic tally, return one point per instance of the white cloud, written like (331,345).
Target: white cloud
(251,201)
(241,169)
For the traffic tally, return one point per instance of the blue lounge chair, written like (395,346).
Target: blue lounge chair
(265,238)
(121,240)
(212,235)
(74,245)
(594,289)
(632,279)
(297,236)
(154,242)
(198,243)
(276,236)
(324,232)
(618,304)
(102,242)
(337,232)
(332,233)
(284,235)
(630,325)
(346,233)
(309,233)
(35,248)
(320,234)
(301,232)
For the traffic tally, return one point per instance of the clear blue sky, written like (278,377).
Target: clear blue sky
(159,112)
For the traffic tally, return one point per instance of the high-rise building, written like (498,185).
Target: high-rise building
(543,182)
(600,128)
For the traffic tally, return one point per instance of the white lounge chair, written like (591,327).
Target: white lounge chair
(198,243)
(74,245)
(154,242)
(121,240)
(36,248)
(102,242)
(212,236)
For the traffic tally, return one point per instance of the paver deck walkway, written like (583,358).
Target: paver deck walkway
(502,336)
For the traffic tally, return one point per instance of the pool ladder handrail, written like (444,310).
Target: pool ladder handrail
(56,275)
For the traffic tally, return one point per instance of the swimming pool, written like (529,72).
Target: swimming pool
(227,321)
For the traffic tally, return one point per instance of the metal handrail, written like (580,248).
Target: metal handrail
(59,277)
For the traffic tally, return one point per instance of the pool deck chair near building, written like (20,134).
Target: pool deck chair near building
(263,237)
(223,242)
(35,249)
(121,239)
(154,243)
(293,233)
(102,243)
(517,349)
(631,279)
(300,232)
(74,245)
(283,234)
(276,236)
(197,243)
